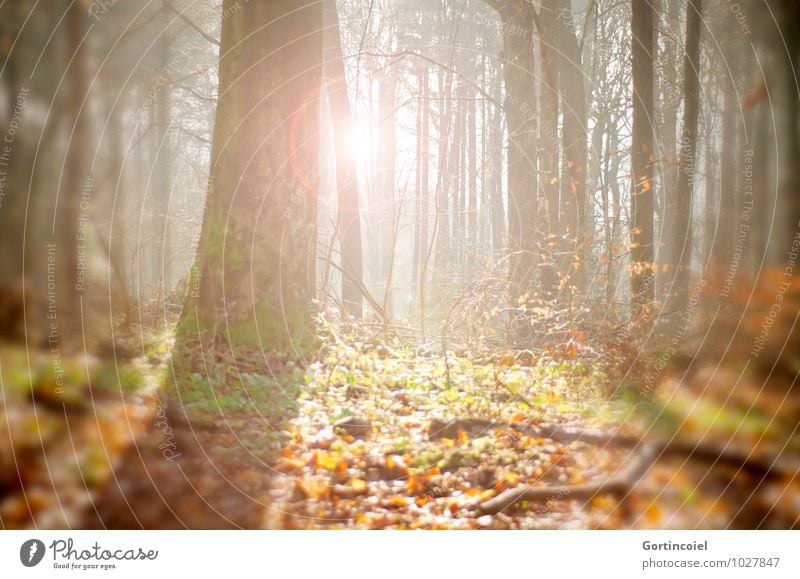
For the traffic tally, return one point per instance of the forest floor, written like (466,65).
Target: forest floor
(371,437)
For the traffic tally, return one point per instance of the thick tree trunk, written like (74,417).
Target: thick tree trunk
(258,242)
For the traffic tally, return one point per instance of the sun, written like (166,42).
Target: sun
(360,144)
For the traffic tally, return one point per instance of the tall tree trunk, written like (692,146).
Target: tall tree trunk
(549,210)
(496,171)
(162,182)
(463,236)
(641,267)
(415,262)
(348,219)
(76,189)
(443,182)
(472,182)
(786,49)
(424,234)
(115,206)
(681,233)
(256,257)
(667,144)
(728,225)
(710,208)
(386,181)
(12,166)
(484,216)
(574,157)
(520,107)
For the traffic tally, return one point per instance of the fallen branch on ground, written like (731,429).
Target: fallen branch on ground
(728,455)
(621,485)
(618,485)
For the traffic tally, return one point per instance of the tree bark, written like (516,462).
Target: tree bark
(520,108)
(574,156)
(549,210)
(641,272)
(76,187)
(496,171)
(349,219)
(387,94)
(687,169)
(256,257)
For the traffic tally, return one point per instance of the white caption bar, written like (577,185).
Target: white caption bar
(351,555)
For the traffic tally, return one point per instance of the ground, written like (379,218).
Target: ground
(367,436)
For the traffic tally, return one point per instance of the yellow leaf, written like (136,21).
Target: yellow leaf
(324,460)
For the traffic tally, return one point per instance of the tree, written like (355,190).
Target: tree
(75,185)
(681,243)
(257,248)
(520,107)
(387,203)
(548,183)
(641,267)
(349,220)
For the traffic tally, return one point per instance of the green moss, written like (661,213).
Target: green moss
(225,393)
(188,327)
(270,329)
(222,245)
